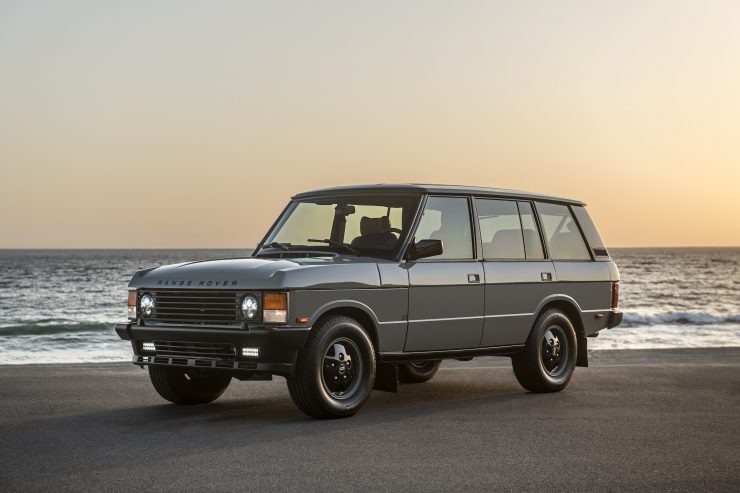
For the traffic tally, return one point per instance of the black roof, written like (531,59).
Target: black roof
(433,189)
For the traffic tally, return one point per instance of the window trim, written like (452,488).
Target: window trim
(402,253)
(538,226)
(541,229)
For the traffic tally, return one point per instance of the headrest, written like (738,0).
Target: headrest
(531,237)
(374,225)
(507,243)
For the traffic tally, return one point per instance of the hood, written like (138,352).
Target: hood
(255,273)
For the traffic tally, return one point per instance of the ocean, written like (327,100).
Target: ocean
(59,306)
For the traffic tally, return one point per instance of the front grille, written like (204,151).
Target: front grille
(222,351)
(200,307)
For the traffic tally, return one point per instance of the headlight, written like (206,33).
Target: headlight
(146,303)
(250,307)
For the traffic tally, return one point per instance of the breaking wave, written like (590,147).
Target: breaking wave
(636,319)
(51,328)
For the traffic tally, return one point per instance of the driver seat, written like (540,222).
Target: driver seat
(374,234)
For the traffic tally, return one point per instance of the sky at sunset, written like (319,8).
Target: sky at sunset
(190,124)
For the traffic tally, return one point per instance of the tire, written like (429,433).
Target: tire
(418,371)
(549,358)
(324,391)
(181,386)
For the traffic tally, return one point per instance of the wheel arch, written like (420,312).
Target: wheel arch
(353,309)
(572,310)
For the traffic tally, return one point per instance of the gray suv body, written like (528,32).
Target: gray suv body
(355,288)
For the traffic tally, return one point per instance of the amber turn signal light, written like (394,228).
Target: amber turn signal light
(275,308)
(132,304)
(275,301)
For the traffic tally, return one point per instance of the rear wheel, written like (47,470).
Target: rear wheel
(549,358)
(188,386)
(335,371)
(418,371)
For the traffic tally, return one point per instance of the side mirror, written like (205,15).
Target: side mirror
(425,248)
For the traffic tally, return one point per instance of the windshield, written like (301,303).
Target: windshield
(361,225)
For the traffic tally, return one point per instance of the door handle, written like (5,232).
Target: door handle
(547,276)
(473,278)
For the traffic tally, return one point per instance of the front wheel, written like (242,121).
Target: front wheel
(188,386)
(547,362)
(418,371)
(335,371)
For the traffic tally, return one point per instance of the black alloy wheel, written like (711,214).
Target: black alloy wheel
(554,351)
(418,371)
(335,371)
(547,362)
(342,368)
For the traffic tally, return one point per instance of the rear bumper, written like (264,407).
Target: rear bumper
(615,318)
(278,347)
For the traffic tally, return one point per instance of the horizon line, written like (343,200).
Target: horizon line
(252,248)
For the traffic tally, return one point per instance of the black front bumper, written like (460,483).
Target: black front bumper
(278,347)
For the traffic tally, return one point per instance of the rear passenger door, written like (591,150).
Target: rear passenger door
(518,277)
(446,291)
(579,276)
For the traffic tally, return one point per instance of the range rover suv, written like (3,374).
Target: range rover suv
(360,288)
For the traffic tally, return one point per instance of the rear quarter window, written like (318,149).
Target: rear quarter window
(590,232)
(564,239)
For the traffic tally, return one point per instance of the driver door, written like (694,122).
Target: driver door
(446,292)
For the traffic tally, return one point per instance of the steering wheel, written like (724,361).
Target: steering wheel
(393,230)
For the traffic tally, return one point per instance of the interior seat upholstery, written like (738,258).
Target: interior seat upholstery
(455,237)
(506,243)
(533,244)
(569,242)
(374,234)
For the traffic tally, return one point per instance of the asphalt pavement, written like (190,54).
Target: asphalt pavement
(634,420)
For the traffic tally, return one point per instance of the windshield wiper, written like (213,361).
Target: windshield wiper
(336,244)
(282,246)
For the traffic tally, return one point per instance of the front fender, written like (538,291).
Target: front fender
(344,304)
(381,311)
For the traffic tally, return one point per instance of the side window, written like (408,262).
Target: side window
(447,219)
(590,231)
(532,240)
(500,229)
(564,240)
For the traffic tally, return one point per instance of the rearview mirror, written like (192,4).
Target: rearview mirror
(344,210)
(425,248)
